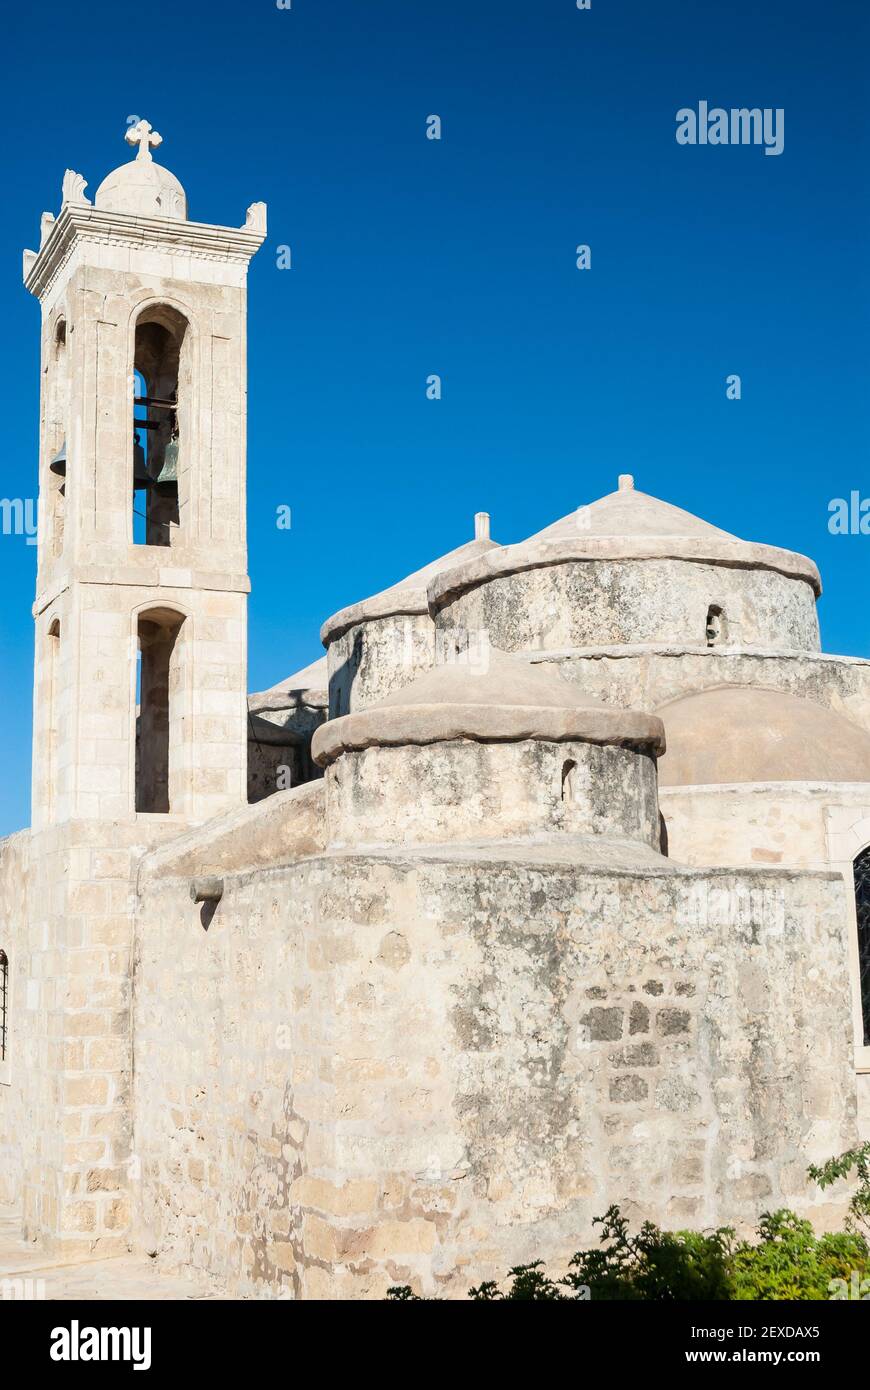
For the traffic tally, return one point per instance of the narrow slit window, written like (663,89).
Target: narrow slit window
(862,909)
(4,1006)
(569,768)
(715,627)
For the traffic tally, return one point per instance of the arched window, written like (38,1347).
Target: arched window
(862,907)
(715,626)
(161,412)
(569,767)
(51,740)
(4,1007)
(159,702)
(57,433)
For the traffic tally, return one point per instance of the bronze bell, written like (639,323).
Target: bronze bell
(167,479)
(141,477)
(58,463)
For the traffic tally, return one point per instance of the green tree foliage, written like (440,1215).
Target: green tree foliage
(787,1261)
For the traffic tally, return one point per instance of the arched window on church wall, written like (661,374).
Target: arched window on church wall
(715,630)
(4,1010)
(160,424)
(861,869)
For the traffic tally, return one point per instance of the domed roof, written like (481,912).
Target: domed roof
(500,699)
(625,525)
(409,594)
(627,512)
(142,187)
(732,734)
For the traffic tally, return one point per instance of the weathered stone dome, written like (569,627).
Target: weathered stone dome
(632,569)
(730,734)
(627,525)
(502,699)
(383,642)
(500,751)
(143,188)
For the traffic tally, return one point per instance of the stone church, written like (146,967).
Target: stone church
(547,888)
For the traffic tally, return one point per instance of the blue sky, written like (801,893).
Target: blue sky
(413,257)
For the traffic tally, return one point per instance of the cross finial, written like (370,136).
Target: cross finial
(144,136)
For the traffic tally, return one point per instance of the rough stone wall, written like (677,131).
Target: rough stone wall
(793,824)
(639,679)
(371,660)
(406,1069)
(597,603)
(752,823)
(65,1117)
(464,789)
(17,1066)
(273,765)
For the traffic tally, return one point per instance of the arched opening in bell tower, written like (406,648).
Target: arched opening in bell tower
(160,416)
(50,733)
(57,428)
(159,709)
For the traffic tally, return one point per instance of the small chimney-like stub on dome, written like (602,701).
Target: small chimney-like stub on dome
(626,482)
(481,526)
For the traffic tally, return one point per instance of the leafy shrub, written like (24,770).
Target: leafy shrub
(788,1260)
(840,1167)
(791,1262)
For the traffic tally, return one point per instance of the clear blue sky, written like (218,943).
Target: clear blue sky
(413,257)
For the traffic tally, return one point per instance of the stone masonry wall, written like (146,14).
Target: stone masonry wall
(648,679)
(596,603)
(464,788)
(366,1071)
(371,660)
(17,1065)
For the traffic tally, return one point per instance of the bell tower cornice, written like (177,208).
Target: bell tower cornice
(83,225)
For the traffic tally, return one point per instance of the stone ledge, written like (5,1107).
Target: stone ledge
(533,555)
(84,222)
(438,723)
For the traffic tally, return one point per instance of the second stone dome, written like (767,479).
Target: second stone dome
(496,750)
(632,570)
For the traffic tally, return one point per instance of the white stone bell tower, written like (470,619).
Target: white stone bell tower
(140,664)
(142,513)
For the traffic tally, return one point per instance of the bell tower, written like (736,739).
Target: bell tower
(142,568)
(140,645)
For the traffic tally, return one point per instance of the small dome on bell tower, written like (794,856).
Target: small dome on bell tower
(142,187)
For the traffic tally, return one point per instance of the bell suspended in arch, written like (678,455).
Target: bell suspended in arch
(58,463)
(167,479)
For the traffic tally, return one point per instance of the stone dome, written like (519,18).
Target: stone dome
(626,513)
(730,734)
(504,699)
(144,189)
(625,525)
(632,570)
